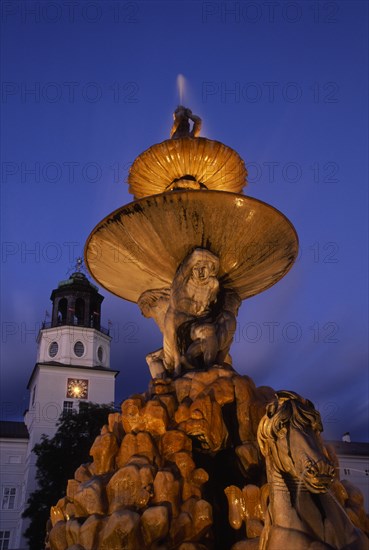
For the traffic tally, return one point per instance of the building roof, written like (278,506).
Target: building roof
(77,279)
(350,448)
(13,430)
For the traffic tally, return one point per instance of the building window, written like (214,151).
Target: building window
(8,501)
(4,540)
(79,349)
(62,311)
(346,471)
(100,354)
(79,312)
(15,459)
(53,349)
(33,395)
(67,407)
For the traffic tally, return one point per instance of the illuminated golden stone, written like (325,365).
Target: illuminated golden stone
(188,250)
(140,246)
(208,162)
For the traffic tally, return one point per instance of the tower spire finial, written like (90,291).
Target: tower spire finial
(77,266)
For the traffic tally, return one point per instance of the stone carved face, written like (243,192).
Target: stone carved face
(195,285)
(289,435)
(202,270)
(203,263)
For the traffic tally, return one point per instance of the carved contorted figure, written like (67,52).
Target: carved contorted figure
(181,125)
(197,317)
(213,338)
(193,293)
(302,514)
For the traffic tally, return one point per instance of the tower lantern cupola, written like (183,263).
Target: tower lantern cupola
(75,335)
(76,302)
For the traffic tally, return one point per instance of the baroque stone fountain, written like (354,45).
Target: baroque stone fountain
(203,459)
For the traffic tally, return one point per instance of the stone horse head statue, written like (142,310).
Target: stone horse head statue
(302,513)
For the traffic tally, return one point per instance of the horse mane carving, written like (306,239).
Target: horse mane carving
(290,410)
(302,513)
(288,406)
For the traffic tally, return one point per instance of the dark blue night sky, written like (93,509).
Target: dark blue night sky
(89,85)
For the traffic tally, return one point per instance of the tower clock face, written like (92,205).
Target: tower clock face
(77,388)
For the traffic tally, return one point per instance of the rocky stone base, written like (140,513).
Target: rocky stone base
(178,469)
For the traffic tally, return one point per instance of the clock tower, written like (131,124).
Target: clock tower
(73,357)
(73,363)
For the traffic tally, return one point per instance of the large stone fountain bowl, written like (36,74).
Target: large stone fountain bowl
(209,162)
(140,246)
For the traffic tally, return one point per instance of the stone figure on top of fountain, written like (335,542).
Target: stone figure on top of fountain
(196,316)
(181,124)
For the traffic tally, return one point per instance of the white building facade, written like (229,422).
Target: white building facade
(73,365)
(13,454)
(354,465)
